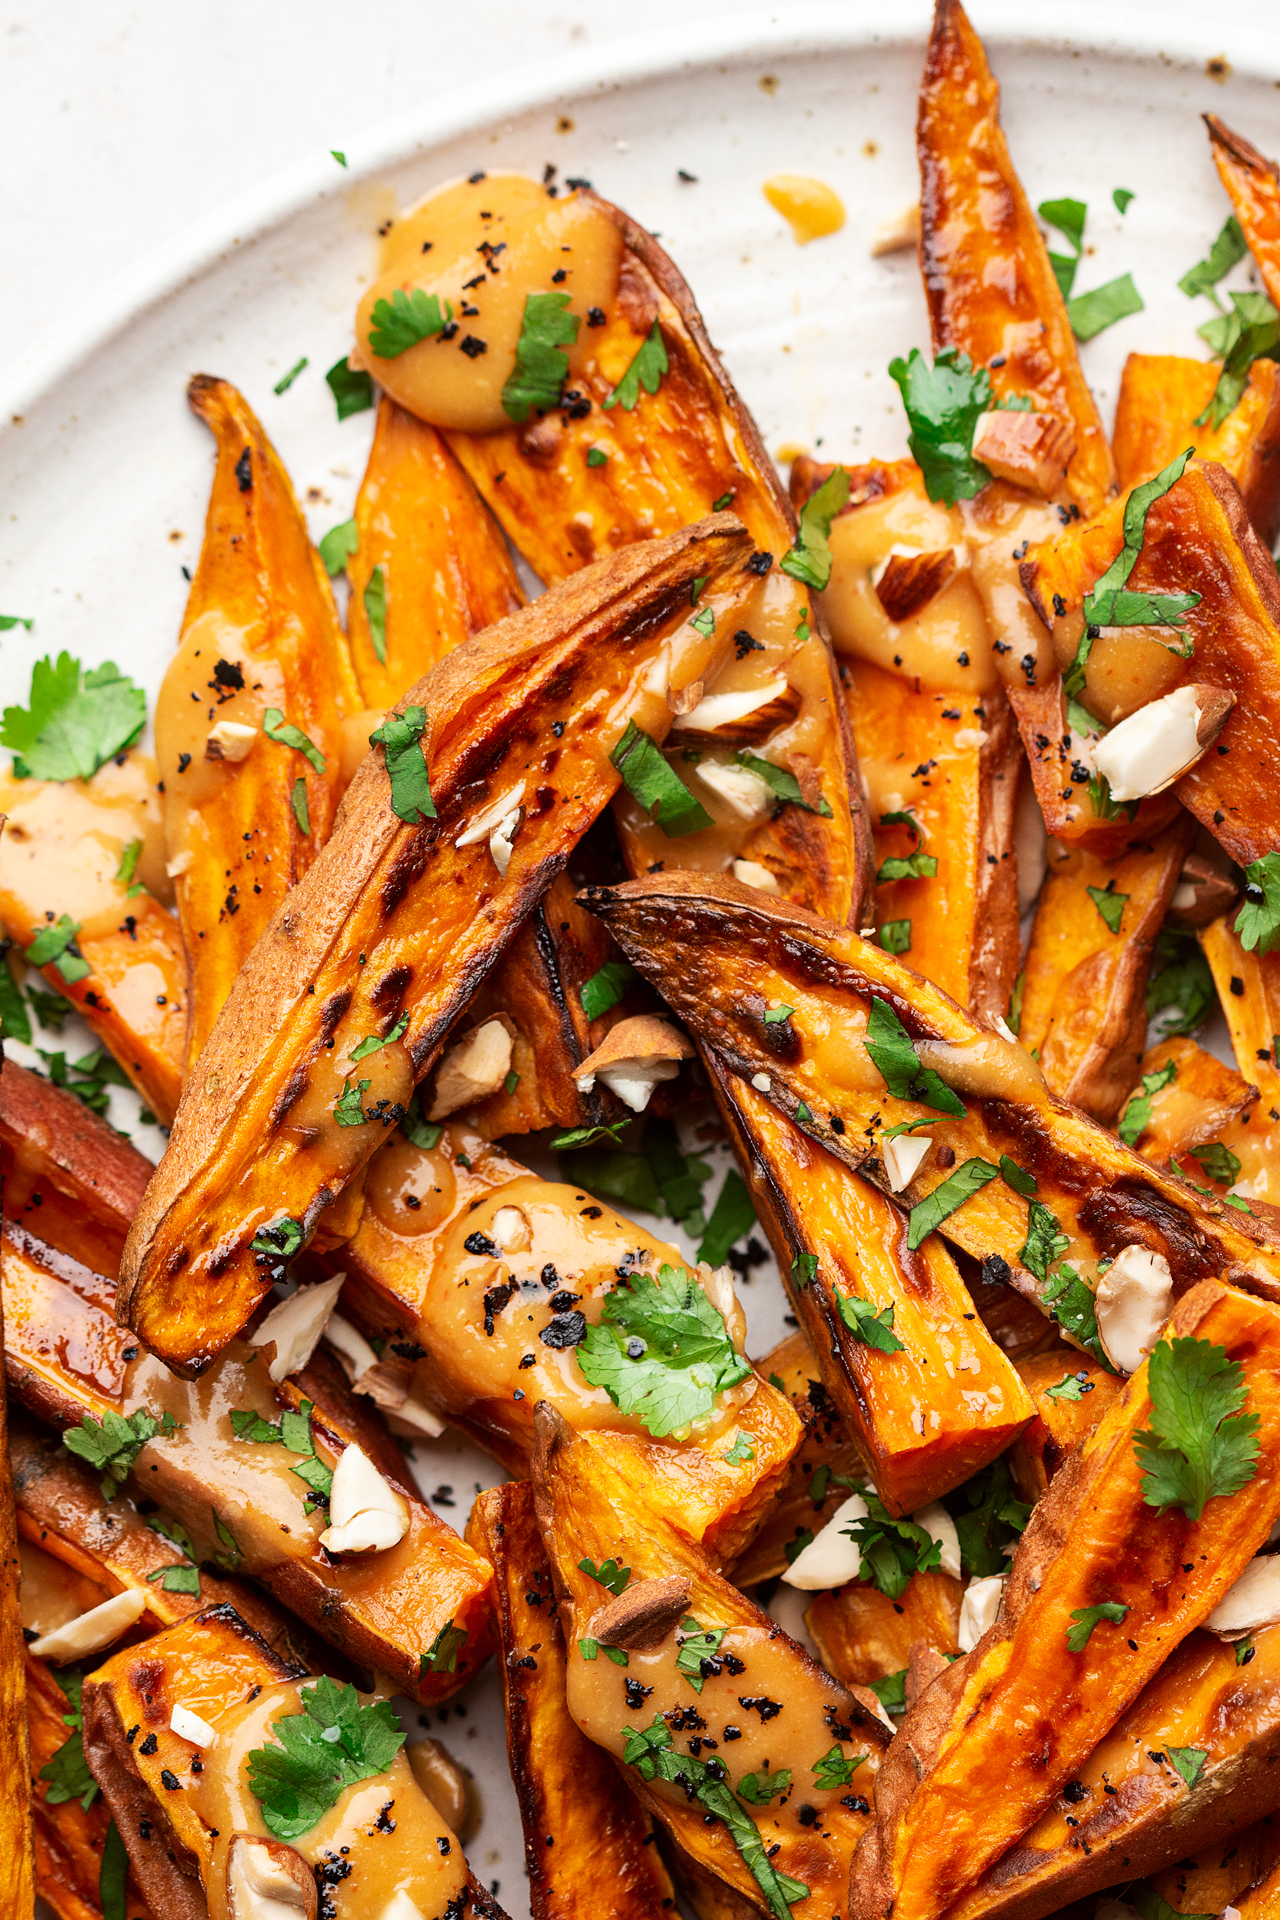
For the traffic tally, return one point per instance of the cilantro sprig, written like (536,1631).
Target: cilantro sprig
(865,1324)
(609,1575)
(1136,1117)
(646,370)
(651,780)
(948,1198)
(1199,1445)
(944,403)
(111,1445)
(1110,602)
(661,1351)
(896,1060)
(1180,989)
(75,721)
(698,1655)
(989,1517)
(893,1551)
(55,946)
(398,736)
(1251,331)
(285,734)
(542,366)
(315,1755)
(808,559)
(404,320)
(67,1772)
(1087,1618)
(916,865)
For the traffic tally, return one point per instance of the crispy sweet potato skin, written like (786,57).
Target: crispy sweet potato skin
(1091,1538)
(1160,400)
(812,1205)
(862,1635)
(237,1161)
(1253,184)
(1084,998)
(737,954)
(987,277)
(588,1845)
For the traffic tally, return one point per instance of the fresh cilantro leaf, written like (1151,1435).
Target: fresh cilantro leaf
(660,791)
(352,390)
(577,1137)
(891,1690)
(588,1648)
(626,1178)
(50,1009)
(177,1579)
(1110,905)
(442,1655)
(895,936)
(802,630)
(87,1078)
(698,1652)
(804,1269)
(944,404)
(1014,1018)
(1258,922)
(1180,987)
(834,1769)
(230,1555)
(315,1755)
(542,367)
(724,500)
(892,1551)
(782,781)
(55,946)
(298,802)
(808,559)
(1218,1161)
(398,736)
(348,1111)
(732,1219)
(419,1132)
(739,1452)
(1099,788)
(113,1875)
(337,154)
(1092,313)
(944,1200)
(282,1238)
(896,1060)
(1136,1117)
(406,319)
(646,371)
(661,1351)
(865,1324)
(610,1575)
(1079,718)
(67,1771)
(1068,216)
(1226,252)
(111,1445)
(375,607)
(803,1114)
(76,721)
(8,621)
(176,1536)
(705,622)
(1199,1445)
(917,865)
(1017,1177)
(1072,1386)
(773,1015)
(607,987)
(597,457)
(283,385)
(758,1789)
(15,1023)
(1045,1240)
(247,1424)
(1087,1618)
(372,1043)
(1188,1761)
(989,1517)
(128,863)
(1251,331)
(680,1177)
(285,734)
(1244,1652)
(1107,604)
(1123,199)
(1072,1306)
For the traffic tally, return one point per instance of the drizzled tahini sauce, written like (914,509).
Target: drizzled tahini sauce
(63,842)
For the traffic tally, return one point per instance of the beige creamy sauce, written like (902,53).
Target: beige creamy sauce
(1127,666)
(483,245)
(383,1082)
(809,1705)
(63,842)
(380,1838)
(486,1311)
(412,1189)
(992,1068)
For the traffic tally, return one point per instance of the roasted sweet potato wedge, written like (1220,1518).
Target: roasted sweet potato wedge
(1249,991)
(1070,1393)
(360,956)
(1212,1878)
(1262,1900)
(862,1635)
(738,957)
(588,1844)
(443,570)
(701,1663)
(180,1806)
(1198,538)
(928,1414)
(1092,1539)
(1202,1101)
(987,276)
(1158,413)
(261,664)
(1084,996)
(16,1860)
(1253,184)
(1128,1812)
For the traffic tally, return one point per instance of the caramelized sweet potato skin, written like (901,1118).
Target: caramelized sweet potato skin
(1253,183)
(1091,1538)
(737,954)
(258,1134)
(990,287)
(259,579)
(589,1846)
(813,1207)
(1157,412)
(1084,999)
(862,1635)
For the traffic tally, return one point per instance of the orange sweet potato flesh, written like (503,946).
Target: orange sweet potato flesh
(1253,182)
(585,1511)
(735,955)
(1084,996)
(1198,538)
(813,1207)
(963,920)
(1249,992)
(1159,404)
(1200,1104)
(261,591)
(970,1771)
(862,1635)
(446,572)
(987,278)
(1136,1815)
(588,1844)
(1262,1901)
(1060,1424)
(1212,1878)
(362,940)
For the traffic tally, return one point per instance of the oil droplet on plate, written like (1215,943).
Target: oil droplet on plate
(810,207)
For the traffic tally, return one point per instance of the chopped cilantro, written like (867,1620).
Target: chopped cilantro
(1136,1117)
(1226,252)
(1068,216)
(348,1111)
(373,1043)
(680,1176)
(892,1551)
(542,367)
(725,500)
(605,988)
(1218,1161)
(646,371)
(1123,199)
(1110,905)
(8,621)
(15,1022)
(419,1132)
(442,1655)
(803,1536)
(375,607)
(739,1451)
(315,1755)
(705,622)
(783,783)
(624,1177)
(128,863)
(1199,1445)
(1258,922)
(1109,603)
(1072,1306)
(891,1691)
(895,936)
(1017,1177)
(336,153)
(230,1555)
(76,720)
(298,802)
(804,1269)
(282,1238)
(597,457)
(758,1789)
(1180,987)
(1072,1386)
(989,1517)
(577,1137)
(865,1324)
(111,1445)
(944,404)
(661,1351)
(177,1578)
(93,1074)
(406,319)
(658,788)
(285,734)
(1014,1019)
(610,1575)
(732,1219)
(896,1060)
(834,1769)
(113,1875)
(1244,1652)
(698,1652)
(68,1772)
(283,385)
(399,736)
(50,1009)
(1045,1240)
(1188,1761)
(56,946)
(1251,331)
(773,1015)
(917,865)
(944,1200)
(1092,313)
(352,389)
(808,559)
(1087,1618)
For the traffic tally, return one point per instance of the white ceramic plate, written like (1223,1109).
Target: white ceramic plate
(104,474)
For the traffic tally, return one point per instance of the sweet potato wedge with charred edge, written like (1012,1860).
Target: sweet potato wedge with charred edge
(780,1700)
(738,954)
(1092,1538)
(1198,538)
(1249,992)
(1136,1815)
(260,590)
(1084,997)
(64,1358)
(1200,1104)
(588,1844)
(16,1861)
(1157,412)
(669,459)
(925,1418)
(365,937)
(1253,184)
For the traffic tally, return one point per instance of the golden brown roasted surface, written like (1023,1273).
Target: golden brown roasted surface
(588,1844)
(531,709)
(737,956)
(987,277)
(260,633)
(862,1635)
(963,1782)
(821,1215)
(1203,1100)
(1157,414)
(1253,183)
(16,1860)
(1084,996)
(1211,1878)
